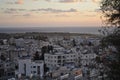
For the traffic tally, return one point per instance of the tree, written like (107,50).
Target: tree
(73,42)
(36,56)
(1,42)
(46,49)
(2,57)
(45,68)
(50,48)
(111,11)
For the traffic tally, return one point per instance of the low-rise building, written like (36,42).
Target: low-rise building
(7,70)
(55,59)
(27,67)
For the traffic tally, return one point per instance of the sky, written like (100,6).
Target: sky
(50,13)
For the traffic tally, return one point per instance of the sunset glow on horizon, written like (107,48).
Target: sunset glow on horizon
(49,13)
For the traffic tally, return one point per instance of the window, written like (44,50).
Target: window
(59,61)
(25,68)
(59,57)
(38,69)
(34,71)
(7,65)
(0,65)
(9,74)
(12,73)
(74,59)
(34,66)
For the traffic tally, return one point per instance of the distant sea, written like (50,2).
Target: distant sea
(91,30)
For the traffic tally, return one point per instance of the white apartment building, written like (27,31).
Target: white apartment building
(87,59)
(59,59)
(20,42)
(28,67)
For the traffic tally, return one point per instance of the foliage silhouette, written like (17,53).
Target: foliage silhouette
(111,11)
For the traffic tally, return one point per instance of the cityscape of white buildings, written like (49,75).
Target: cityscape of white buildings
(57,58)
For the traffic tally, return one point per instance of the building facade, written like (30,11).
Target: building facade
(27,67)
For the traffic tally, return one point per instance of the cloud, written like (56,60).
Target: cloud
(62,15)
(92,15)
(68,1)
(35,0)
(22,10)
(27,15)
(26,12)
(54,10)
(9,2)
(24,15)
(10,11)
(19,2)
(22,1)
(64,1)
(15,2)
(60,1)
(13,10)
(96,1)
(71,1)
